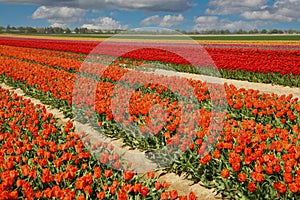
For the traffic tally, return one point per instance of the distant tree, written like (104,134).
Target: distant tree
(31,30)
(76,30)
(291,31)
(68,31)
(83,30)
(196,32)
(212,32)
(254,31)
(273,31)
(21,29)
(8,28)
(108,32)
(241,31)
(222,32)
(39,30)
(57,30)
(227,31)
(263,31)
(49,30)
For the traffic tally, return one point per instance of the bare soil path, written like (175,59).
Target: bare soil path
(262,87)
(177,182)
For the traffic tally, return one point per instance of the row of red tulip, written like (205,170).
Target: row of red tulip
(41,159)
(252,59)
(256,127)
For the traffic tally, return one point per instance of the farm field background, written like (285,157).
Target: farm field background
(240,142)
(225,38)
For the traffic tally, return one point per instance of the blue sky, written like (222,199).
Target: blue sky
(173,14)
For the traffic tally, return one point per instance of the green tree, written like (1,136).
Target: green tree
(241,31)
(68,31)
(31,30)
(76,30)
(263,31)
(273,31)
(8,28)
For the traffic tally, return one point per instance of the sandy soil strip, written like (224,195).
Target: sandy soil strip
(116,37)
(56,113)
(140,162)
(262,87)
(177,182)
(138,159)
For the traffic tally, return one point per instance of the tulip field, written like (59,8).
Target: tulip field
(242,143)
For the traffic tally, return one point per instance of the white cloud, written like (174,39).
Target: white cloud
(166,21)
(236,25)
(104,23)
(225,7)
(280,10)
(153,20)
(148,5)
(265,15)
(64,16)
(203,23)
(169,20)
(57,12)
(59,15)
(206,19)
(59,25)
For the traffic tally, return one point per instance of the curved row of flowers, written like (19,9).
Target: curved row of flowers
(43,160)
(278,66)
(253,155)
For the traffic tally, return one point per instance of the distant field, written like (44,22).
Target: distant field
(175,37)
(248,37)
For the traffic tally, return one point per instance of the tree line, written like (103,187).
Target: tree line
(80,30)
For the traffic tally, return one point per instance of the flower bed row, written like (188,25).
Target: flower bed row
(57,87)
(64,60)
(230,159)
(278,66)
(43,160)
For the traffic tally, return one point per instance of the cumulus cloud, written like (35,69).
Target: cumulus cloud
(60,16)
(104,23)
(203,23)
(148,5)
(57,12)
(59,25)
(206,19)
(225,7)
(169,20)
(279,10)
(153,20)
(64,16)
(165,21)
(266,15)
